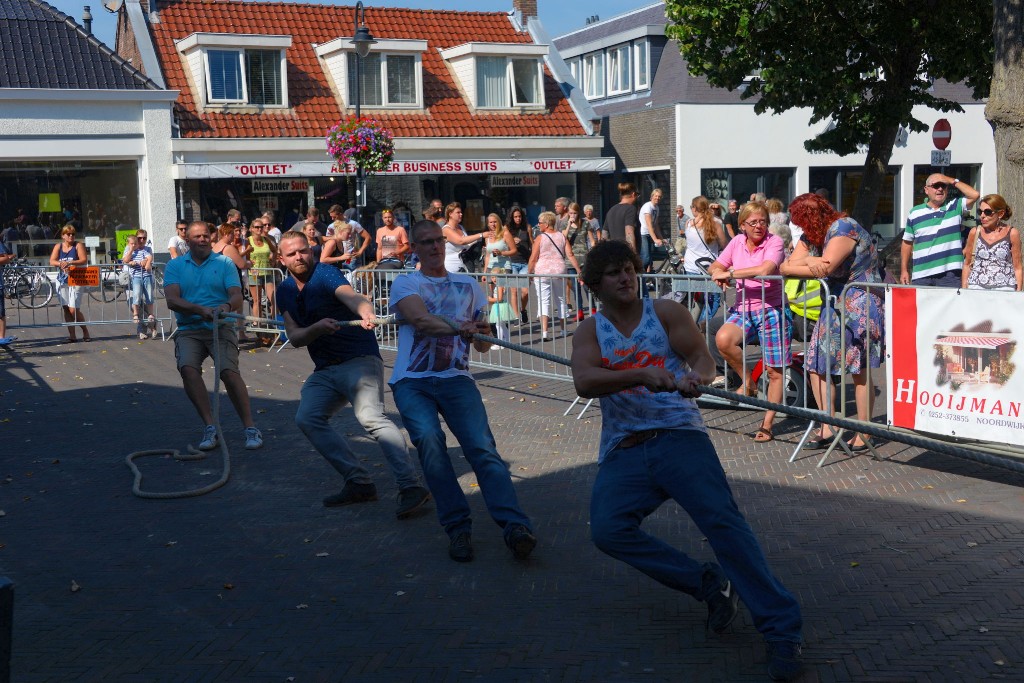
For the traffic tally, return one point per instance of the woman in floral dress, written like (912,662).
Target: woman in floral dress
(836,248)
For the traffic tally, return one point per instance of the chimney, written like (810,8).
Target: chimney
(87,19)
(525,8)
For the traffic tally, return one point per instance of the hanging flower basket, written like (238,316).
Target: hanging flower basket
(361,143)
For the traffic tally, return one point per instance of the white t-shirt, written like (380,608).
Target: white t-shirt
(179,244)
(457,297)
(697,247)
(651,210)
(275,232)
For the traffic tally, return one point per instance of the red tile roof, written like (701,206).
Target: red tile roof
(314,107)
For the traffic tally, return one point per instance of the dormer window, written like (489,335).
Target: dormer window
(502,83)
(245,76)
(618,70)
(392,72)
(238,70)
(388,80)
(500,75)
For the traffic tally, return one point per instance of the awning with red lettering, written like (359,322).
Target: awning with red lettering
(975,342)
(313,169)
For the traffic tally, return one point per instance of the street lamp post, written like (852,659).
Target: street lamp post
(362,39)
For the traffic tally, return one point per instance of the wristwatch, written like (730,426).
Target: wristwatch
(731,275)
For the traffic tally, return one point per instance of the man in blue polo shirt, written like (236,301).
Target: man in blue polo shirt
(197,286)
(315,300)
(932,239)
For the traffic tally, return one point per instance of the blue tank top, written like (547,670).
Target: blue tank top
(639,409)
(69,255)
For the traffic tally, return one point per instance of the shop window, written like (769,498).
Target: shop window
(245,76)
(618,70)
(724,184)
(502,82)
(388,80)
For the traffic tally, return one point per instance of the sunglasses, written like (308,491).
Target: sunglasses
(938,186)
(987,212)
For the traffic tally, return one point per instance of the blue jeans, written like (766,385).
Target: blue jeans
(421,401)
(646,248)
(359,381)
(682,464)
(142,290)
(951,278)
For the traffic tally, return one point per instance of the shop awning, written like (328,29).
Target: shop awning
(316,169)
(974,342)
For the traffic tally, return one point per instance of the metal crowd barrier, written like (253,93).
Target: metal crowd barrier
(259,289)
(880,289)
(32,301)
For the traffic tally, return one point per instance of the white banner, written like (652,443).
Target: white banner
(328,168)
(951,363)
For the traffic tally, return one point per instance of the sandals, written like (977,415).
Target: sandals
(819,442)
(763,434)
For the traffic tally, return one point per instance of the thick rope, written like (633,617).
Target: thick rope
(193,453)
(925,443)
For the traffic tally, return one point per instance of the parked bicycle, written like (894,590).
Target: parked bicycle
(30,287)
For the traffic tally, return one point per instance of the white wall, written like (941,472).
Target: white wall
(98,125)
(732,136)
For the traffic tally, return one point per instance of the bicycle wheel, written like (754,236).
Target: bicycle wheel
(158,280)
(26,292)
(110,289)
(42,289)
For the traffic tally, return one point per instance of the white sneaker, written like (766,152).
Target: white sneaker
(253,439)
(543,336)
(142,335)
(209,441)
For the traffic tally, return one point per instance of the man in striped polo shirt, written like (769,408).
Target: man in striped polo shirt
(932,239)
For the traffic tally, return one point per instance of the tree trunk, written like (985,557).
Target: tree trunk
(1005,109)
(879,152)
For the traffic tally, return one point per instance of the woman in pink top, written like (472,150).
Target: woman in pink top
(757,315)
(550,251)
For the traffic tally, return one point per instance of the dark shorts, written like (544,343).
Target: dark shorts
(192,347)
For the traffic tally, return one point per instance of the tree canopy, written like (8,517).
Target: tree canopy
(862,64)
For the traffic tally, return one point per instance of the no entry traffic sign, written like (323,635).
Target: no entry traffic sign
(942,132)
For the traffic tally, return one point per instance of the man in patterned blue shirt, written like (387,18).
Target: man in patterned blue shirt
(431,379)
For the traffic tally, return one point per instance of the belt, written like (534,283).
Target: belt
(637,438)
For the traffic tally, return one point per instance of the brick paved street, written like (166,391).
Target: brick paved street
(907,570)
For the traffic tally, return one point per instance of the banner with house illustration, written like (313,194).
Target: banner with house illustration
(953,367)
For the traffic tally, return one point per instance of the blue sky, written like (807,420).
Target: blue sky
(558,16)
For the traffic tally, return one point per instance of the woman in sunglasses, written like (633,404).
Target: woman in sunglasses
(992,258)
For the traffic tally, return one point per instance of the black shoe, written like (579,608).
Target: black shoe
(785,660)
(461,547)
(723,604)
(411,500)
(520,541)
(352,493)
